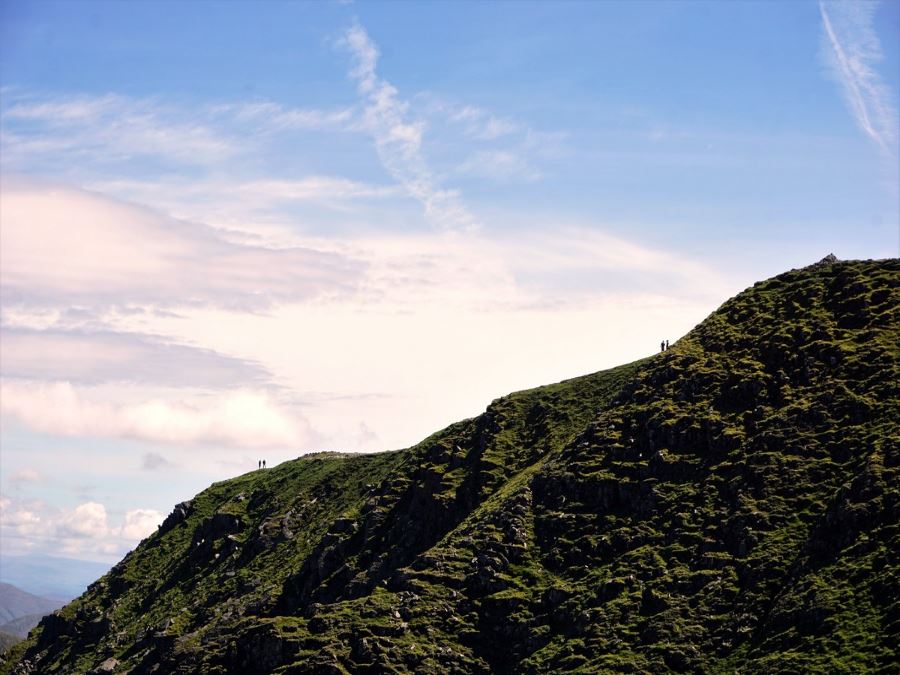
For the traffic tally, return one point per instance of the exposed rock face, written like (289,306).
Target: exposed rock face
(179,514)
(729,505)
(829,259)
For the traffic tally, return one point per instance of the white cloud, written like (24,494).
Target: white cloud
(852,49)
(398,139)
(140,523)
(82,531)
(91,356)
(22,518)
(467,316)
(87,520)
(320,342)
(584,260)
(557,266)
(241,418)
(25,476)
(66,247)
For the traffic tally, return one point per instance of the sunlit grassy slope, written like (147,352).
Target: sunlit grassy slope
(730,505)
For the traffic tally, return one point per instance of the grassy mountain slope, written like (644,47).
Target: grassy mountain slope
(732,504)
(229,573)
(737,506)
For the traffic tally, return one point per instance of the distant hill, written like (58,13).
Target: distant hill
(21,611)
(50,576)
(7,640)
(16,603)
(730,505)
(21,626)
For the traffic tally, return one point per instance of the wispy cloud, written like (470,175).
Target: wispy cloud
(115,130)
(230,157)
(313,188)
(64,247)
(481,124)
(398,138)
(95,356)
(180,191)
(268,116)
(852,49)
(25,476)
(499,165)
(484,144)
(109,128)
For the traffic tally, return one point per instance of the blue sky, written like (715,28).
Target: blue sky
(703,112)
(234,230)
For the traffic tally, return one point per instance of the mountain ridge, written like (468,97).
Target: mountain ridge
(695,511)
(16,603)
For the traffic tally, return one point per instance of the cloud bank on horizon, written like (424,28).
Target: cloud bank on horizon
(189,284)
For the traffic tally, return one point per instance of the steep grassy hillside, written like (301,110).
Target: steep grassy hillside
(738,506)
(730,505)
(232,572)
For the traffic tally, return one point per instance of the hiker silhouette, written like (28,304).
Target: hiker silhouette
(662,346)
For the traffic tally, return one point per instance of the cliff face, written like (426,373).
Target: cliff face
(731,504)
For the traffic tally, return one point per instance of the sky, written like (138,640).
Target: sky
(234,231)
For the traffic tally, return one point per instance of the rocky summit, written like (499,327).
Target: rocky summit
(729,505)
